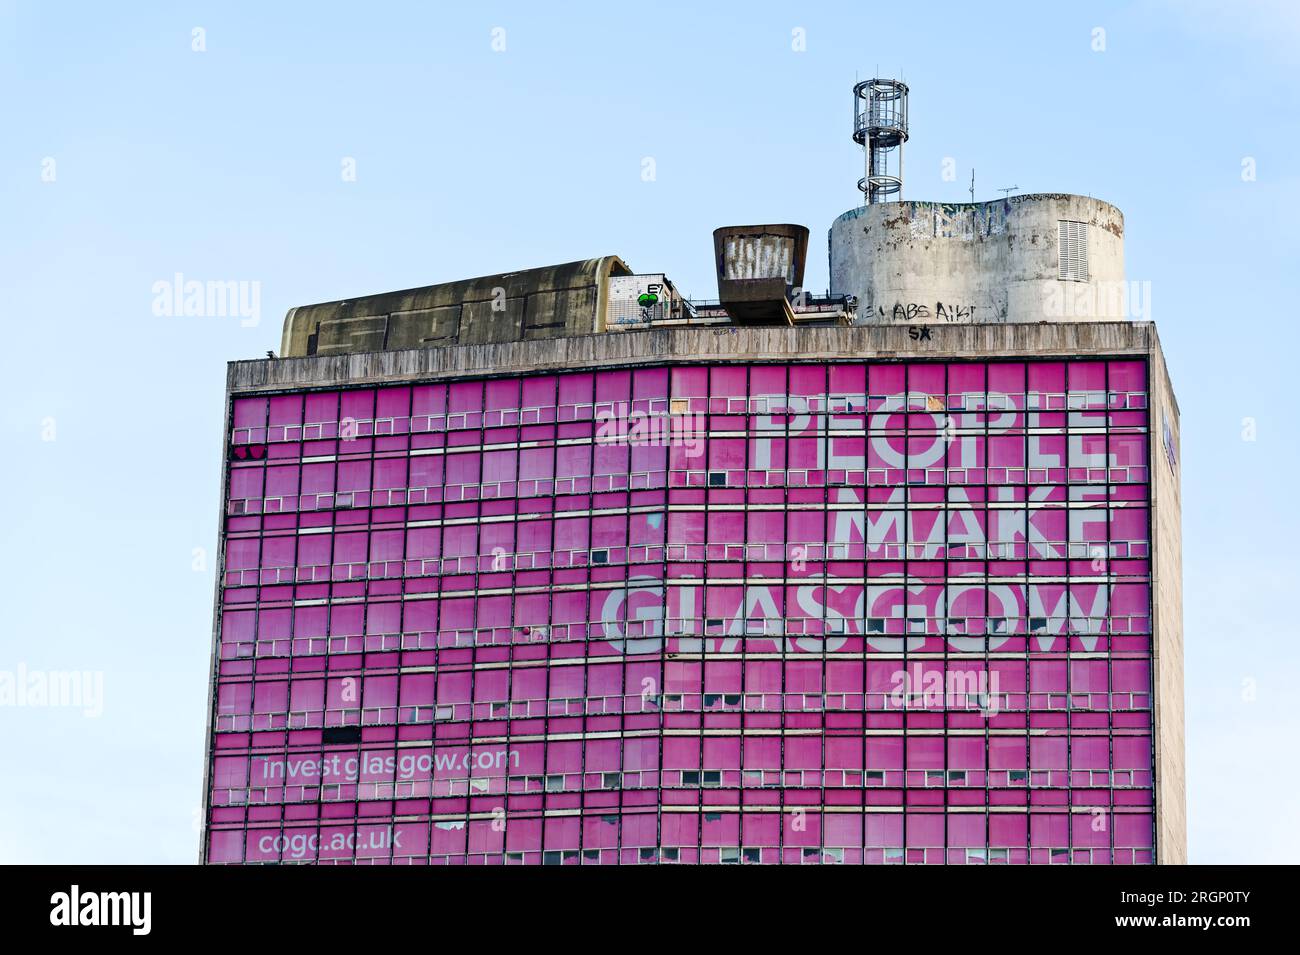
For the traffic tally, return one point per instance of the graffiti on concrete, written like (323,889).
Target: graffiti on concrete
(912,311)
(928,220)
(954,313)
(647,300)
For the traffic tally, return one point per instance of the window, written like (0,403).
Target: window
(1072,246)
(717,479)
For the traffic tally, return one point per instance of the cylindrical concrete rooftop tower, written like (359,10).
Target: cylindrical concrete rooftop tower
(1031,258)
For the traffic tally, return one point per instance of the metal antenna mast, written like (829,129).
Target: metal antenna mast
(880,128)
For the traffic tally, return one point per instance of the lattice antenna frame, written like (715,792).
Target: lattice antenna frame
(880,128)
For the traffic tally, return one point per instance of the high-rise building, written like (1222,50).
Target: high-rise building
(556,566)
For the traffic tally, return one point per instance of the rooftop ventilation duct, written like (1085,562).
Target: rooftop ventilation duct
(760,269)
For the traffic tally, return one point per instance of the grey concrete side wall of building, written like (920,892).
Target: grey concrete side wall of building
(1167,601)
(996,261)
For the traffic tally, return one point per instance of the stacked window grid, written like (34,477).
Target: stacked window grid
(455,624)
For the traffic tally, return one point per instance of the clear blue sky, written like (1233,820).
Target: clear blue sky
(226,165)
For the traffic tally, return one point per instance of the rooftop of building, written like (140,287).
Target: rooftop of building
(760,274)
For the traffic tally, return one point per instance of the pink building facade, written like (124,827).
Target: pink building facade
(851,611)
